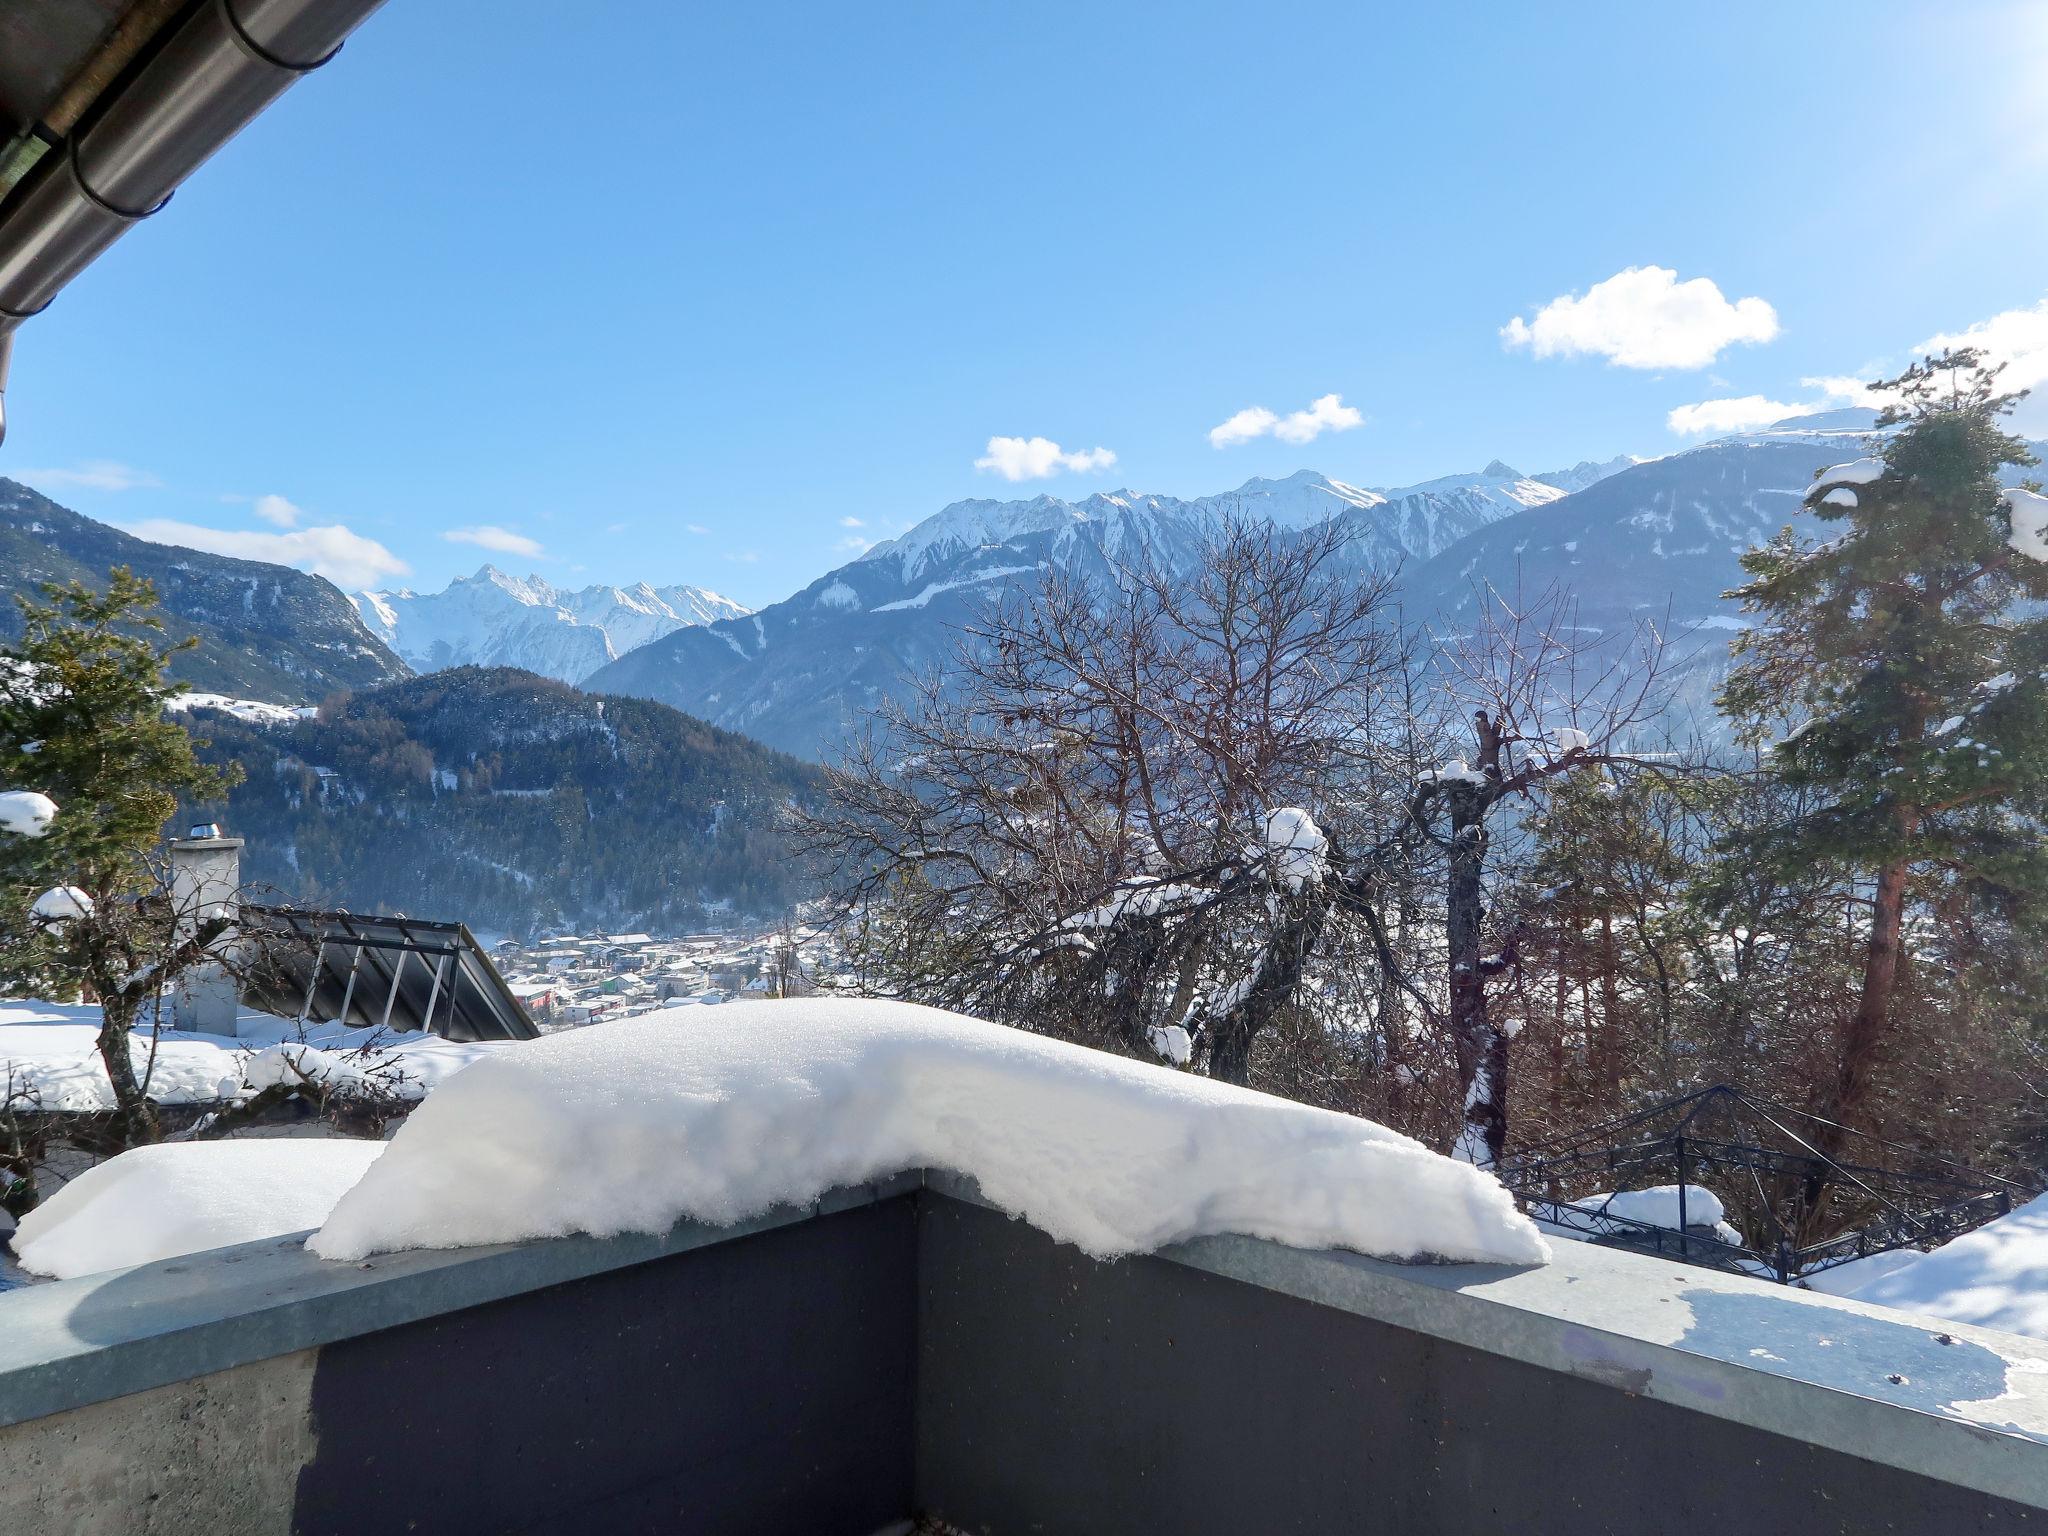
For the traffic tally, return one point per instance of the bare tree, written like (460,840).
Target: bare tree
(1130,811)
(1546,700)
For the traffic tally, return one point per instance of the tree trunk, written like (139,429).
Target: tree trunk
(1481,1047)
(1610,1019)
(138,1119)
(1272,988)
(1873,1009)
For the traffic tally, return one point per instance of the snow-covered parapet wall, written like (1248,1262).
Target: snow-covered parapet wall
(720,1115)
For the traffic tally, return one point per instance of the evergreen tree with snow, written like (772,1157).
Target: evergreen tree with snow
(1911,649)
(83,729)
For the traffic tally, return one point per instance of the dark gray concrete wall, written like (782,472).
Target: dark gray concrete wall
(760,1386)
(220,1454)
(1060,1395)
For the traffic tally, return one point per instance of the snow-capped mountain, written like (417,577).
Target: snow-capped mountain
(495,620)
(799,672)
(1589,472)
(264,632)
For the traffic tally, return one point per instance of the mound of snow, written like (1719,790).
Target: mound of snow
(253,711)
(1171,1042)
(1569,738)
(1295,848)
(2029,518)
(634,1125)
(26,812)
(184,1197)
(1658,1207)
(59,906)
(1855,472)
(1995,1277)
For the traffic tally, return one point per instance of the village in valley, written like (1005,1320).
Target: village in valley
(569,980)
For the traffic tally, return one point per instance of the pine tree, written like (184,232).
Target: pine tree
(1909,645)
(82,720)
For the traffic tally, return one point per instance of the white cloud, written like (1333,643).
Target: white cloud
(1253,421)
(343,556)
(502,540)
(1326,413)
(1038,458)
(851,522)
(1644,317)
(92,475)
(276,511)
(743,556)
(2017,338)
(854,544)
(1839,389)
(1744,413)
(696,528)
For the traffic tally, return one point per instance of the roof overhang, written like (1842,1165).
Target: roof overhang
(107,105)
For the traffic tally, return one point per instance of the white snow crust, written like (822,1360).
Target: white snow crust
(719,1115)
(1995,1277)
(184,1197)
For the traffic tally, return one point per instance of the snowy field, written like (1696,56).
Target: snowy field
(49,1050)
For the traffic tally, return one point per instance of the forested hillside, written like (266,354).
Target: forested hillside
(512,803)
(264,631)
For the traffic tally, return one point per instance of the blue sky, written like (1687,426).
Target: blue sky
(680,292)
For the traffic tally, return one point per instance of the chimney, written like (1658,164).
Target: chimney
(206,882)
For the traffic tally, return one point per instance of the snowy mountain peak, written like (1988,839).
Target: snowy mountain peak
(1588,472)
(496,619)
(1499,471)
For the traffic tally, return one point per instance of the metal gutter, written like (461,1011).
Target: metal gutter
(208,76)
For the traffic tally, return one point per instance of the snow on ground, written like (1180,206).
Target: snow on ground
(50,1049)
(1850,1278)
(719,1115)
(1995,1277)
(254,711)
(184,1197)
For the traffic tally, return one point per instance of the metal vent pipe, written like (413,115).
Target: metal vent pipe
(217,69)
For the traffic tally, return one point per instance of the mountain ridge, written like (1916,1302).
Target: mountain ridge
(265,632)
(495,619)
(799,673)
